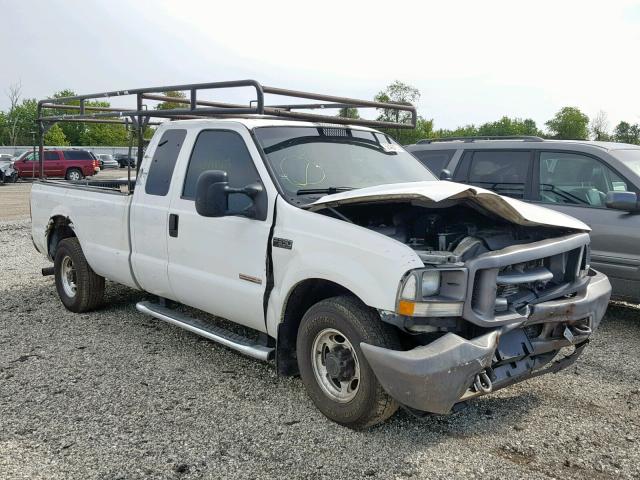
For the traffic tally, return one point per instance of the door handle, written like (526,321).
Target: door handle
(173,225)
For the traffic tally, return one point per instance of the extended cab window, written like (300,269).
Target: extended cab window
(576,179)
(434,160)
(164,161)
(221,150)
(50,156)
(504,172)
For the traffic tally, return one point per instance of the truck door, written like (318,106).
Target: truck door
(219,264)
(150,215)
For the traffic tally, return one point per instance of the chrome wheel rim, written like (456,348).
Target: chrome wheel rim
(335,365)
(68,277)
(74,175)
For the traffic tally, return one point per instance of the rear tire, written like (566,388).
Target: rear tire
(354,404)
(73,174)
(80,289)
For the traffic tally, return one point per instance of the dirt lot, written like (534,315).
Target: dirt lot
(117,395)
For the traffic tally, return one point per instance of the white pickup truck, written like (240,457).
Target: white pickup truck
(356,268)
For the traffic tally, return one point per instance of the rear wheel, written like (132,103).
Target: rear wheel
(332,366)
(80,289)
(73,174)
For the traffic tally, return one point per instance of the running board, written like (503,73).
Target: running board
(212,332)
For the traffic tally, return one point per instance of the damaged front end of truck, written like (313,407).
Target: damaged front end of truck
(506,292)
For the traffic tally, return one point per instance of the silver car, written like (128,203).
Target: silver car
(106,161)
(596,182)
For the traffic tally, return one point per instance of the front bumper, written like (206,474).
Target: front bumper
(436,376)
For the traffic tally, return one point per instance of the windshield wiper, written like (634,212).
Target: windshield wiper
(328,190)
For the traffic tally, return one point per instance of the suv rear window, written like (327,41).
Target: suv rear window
(504,172)
(434,160)
(77,155)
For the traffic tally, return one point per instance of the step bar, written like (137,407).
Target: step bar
(212,332)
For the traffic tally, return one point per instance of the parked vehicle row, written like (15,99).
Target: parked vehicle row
(71,164)
(354,266)
(107,161)
(596,182)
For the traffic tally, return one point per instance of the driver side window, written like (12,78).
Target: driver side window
(576,179)
(221,150)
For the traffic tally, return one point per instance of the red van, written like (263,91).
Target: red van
(70,164)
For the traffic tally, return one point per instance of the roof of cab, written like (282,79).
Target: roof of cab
(255,122)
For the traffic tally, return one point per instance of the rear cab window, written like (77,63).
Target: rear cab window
(164,162)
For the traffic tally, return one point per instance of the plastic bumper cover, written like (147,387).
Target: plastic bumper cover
(435,377)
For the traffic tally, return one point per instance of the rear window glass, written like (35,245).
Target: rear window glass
(51,155)
(77,155)
(434,160)
(504,172)
(164,161)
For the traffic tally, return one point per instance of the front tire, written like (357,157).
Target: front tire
(80,289)
(332,366)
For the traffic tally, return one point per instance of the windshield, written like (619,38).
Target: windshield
(631,158)
(319,160)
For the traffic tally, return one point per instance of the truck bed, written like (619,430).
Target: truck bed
(100,213)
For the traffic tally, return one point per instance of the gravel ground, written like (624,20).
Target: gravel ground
(117,395)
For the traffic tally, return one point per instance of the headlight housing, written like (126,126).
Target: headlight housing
(433,292)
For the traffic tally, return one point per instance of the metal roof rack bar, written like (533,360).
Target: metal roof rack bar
(526,138)
(51,110)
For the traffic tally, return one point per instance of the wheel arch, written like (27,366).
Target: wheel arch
(300,298)
(58,228)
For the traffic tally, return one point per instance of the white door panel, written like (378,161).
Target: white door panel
(219,264)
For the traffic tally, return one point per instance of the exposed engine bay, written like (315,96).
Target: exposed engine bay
(446,235)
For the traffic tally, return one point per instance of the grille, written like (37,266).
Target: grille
(517,285)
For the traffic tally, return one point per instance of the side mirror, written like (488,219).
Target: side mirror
(627,201)
(212,196)
(445,175)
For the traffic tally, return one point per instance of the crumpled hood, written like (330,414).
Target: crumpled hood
(431,192)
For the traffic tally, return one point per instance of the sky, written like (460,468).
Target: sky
(473,61)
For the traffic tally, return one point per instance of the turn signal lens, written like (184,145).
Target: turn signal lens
(406,308)
(430,309)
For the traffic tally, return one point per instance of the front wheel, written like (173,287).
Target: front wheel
(80,288)
(332,366)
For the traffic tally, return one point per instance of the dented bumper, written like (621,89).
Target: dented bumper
(436,376)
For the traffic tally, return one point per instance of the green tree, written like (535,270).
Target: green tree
(399,92)
(509,126)
(172,105)
(627,133)
(349,112)
(569,124)
(55,137)
(464,131)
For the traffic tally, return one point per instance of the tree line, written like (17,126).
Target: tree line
(17,124)
(569,123)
